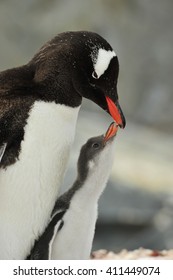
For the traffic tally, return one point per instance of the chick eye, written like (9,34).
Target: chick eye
(94,75)
(95,145)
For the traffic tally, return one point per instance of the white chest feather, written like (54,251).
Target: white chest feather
(29,188)
(74,240)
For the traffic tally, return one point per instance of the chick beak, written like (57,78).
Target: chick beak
(111,132)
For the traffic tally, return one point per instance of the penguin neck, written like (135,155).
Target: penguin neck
(67,95)
(90,187)
(54,76)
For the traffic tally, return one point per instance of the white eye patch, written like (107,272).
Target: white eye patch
(101,62)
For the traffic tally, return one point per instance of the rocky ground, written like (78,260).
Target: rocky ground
(139,254)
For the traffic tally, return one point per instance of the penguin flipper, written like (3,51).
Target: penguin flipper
(43,246)
(57,228)
(2,150)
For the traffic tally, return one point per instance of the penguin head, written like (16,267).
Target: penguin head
(85,64)
(97,152)
(97,70)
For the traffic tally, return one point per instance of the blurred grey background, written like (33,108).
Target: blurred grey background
(136,208)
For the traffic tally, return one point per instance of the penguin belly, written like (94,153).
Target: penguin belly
(74,240)
(29,188)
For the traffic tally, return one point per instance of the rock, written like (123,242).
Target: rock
(139,254)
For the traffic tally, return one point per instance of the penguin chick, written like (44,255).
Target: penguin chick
(70,232)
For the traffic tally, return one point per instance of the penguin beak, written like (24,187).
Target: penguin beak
(116,112)
(111,132)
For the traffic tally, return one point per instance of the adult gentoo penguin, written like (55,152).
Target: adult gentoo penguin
(70,232)
(39,104)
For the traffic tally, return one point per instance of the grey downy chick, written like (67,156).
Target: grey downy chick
(70,232)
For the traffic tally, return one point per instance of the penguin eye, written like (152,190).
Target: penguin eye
(94,75)
(95,145)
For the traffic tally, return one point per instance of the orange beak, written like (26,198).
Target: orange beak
(116,112)
(111,132)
